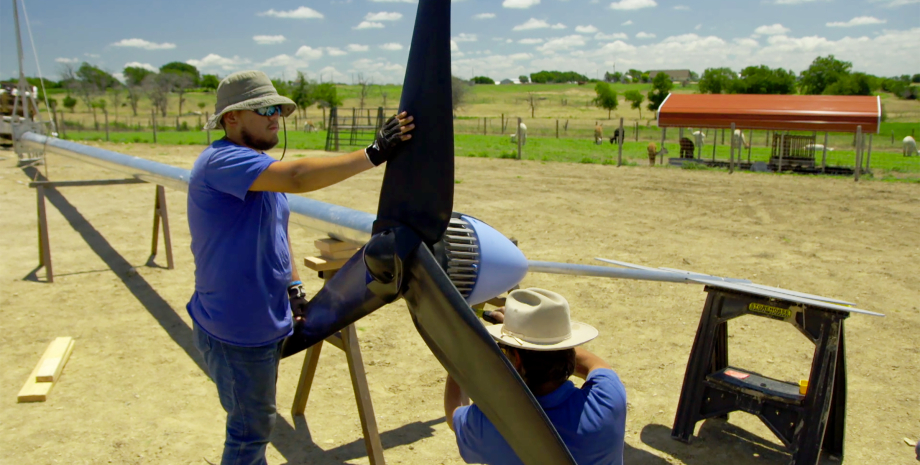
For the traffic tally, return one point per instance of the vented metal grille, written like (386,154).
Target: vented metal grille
(462,255)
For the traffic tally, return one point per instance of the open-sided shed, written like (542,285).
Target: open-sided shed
(822,113)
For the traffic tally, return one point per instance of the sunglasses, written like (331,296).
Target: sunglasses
(268,111)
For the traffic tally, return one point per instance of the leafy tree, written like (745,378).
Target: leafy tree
(613,77)
(645,77)
(326,95)
(635,99)
(548,77)
(661,86)
(209,81)
(117,98)
(134,75)
(482,80)
(302,93)
(915,78)
(694,76)
(606,97)
(96,77)
(763,80)
(183,77)
(635,74)
(823,72)
(458,92)
(88,82)
(524,79)
(282,87)
(717,81)
(157,87)
(178,67)
(70,103)
(852,84)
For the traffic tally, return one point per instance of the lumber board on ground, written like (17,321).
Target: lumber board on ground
(321,264)
(340,255)
(329,245)
(35,391)
(57,355)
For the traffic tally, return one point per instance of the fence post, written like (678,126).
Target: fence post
(664,132)
(723,136)
(731,152)
(153,114)
(714,144)
(750,145)
(208,131)
(858,139)
(680,134)
(824,154)
(484,131)
(869,153)
(557,129)
(177,122)
(766,139)
(637,131)
(892,137)
(620,149)
(520,136)
(782,148)
(63,126)
(105,113)
(503,123)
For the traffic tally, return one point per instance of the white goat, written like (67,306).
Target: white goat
(523,135)
(910,146)
(699,137)
(738,139)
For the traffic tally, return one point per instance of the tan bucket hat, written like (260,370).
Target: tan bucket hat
(247,90)
(537,319)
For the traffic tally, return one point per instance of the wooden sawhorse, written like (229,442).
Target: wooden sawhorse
(805,422)
(334,254)
(160,214)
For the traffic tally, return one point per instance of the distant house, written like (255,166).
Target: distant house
(675,74)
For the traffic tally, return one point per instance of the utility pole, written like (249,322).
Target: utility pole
(23,85)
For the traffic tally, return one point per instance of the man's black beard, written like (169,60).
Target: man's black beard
(258,144)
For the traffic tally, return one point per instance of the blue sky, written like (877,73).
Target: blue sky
(499,38)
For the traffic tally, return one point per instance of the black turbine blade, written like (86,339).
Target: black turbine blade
(343,300)
(467,351)
(418,186)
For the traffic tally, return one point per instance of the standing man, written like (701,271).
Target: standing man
(246,285)
(541,342)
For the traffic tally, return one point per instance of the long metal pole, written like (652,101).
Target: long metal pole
(23,84)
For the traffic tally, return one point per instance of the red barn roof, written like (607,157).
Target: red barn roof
(833,113)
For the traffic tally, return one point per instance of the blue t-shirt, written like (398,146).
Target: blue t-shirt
(239,240)
(590,420)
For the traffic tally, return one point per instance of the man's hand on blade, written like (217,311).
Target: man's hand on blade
(298,301)
(394,131)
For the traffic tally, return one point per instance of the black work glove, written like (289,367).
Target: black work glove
(388,137)
(298,300)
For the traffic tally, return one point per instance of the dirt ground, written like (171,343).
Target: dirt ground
(134,390)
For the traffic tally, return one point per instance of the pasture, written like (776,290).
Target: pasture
(134,390)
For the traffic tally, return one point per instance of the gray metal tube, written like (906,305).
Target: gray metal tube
(608,272)
(336,221)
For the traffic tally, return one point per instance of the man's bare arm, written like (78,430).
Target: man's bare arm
(586,362)
(310,174)
(454,398)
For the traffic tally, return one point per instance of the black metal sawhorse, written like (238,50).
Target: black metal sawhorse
(160,215)
(805,424)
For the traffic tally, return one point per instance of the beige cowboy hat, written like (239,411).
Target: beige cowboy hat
(247,90)
(537,319)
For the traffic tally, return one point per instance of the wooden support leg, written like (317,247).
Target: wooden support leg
(160,213)
(362,396)
(44,246)
(302,394)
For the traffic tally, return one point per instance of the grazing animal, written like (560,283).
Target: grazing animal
(617,136)
(309,127)
(654,152)
(738,139)
(686,148)
(699,137)
(523,131)
(599,134)
(815,148)
(910,146)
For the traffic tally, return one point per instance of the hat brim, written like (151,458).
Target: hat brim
(581,333)
(287,107)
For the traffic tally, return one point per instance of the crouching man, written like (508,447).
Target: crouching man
(540,340)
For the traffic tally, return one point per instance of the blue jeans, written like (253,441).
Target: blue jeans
(245,379)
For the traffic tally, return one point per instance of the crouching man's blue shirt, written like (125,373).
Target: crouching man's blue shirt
(239,240)
(590,420)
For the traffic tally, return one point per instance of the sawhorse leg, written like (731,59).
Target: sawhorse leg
(44,246)
(161,214)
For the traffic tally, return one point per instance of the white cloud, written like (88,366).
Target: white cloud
(895,3)
(394,1)
(645,35)
(797,2)
(682,8)
(335,51)
(633,4)
(454,47)
(383,16)
(558,26)
(698,27)
(379,70)
(283,60)
(628,22)
(268,40)
(67,60)
(309,53)
(300,13)
(530,41)
(562,43)
(120,77)
(771,30)
(329,73)
(614,36)
(484,16)
(357,48)
(520,3)
(144,44)
(391,46)
(368,25)
(589,29)
(464,37)
(531,23)
(215,61)
(91,55)
(147,66)
(858,21)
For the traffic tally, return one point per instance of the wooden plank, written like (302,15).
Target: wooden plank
(329,245)
(34,391)
(55,358)
(302,394)
(340,255)
(362,396)
(321,264)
